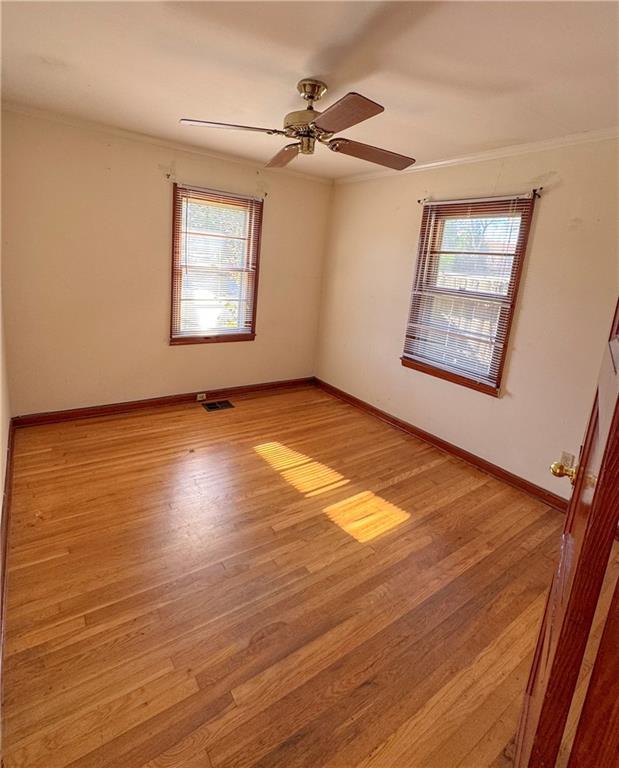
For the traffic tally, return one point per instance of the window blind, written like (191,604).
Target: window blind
(215,258)
(469,265)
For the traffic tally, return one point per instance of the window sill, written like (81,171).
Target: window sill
(221,339)
(455,378)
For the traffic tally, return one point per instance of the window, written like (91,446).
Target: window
(215,253)
(468,269)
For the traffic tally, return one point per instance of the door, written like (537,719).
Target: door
(597,737)
(590,527)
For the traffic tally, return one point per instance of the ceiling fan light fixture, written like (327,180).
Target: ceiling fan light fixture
(307,145)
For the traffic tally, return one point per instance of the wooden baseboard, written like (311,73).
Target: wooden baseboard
(4,533)
(552,499)
(112,409)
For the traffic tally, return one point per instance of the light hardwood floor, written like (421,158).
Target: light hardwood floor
(288,583)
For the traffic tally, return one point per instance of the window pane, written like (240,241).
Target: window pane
(471,356)
(473,272)
(210,251)
(216,217)
(458,332)
(459,313)
(204,285)
(200,317)
(487,234)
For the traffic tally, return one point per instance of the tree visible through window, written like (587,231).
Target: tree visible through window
(468,270)
(216,244)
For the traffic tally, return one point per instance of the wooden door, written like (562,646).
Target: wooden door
(590,527)
(597,737)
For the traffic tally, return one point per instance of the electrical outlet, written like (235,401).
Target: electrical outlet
(567,459)
(201,396)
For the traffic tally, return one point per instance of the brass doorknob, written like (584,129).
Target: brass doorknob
(560,470)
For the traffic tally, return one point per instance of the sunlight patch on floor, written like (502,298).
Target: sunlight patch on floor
(366,515)
(302,472)
(363,516)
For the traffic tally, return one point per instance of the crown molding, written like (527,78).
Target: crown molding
(587,137)
(176,146)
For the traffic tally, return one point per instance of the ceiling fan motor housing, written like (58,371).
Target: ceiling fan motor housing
(300,119)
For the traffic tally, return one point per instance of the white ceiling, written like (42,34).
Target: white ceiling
(455,78)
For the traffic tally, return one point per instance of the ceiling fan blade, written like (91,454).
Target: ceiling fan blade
(372,154)
(284,156)
(231,126)
(348,111)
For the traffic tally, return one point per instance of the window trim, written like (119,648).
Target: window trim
(218,338)
(448,375)
(507,310)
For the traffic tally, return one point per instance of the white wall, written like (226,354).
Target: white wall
(87,228)
(563,316)
(5,410)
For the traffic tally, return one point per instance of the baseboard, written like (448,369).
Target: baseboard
(552,499)
(112,409)
(4,534)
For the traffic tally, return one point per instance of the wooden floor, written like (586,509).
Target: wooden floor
(288,583)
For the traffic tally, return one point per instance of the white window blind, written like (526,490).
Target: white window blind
(468,270)
(216,248)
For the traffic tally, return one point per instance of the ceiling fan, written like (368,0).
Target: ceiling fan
(308,126)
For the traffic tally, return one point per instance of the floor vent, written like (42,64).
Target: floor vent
(217,405)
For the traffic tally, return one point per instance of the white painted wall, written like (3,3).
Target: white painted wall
(568,293)
(5,410)
(87,232)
